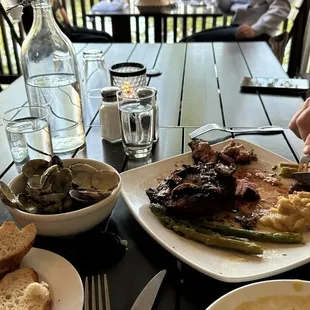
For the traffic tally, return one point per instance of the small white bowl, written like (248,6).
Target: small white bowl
(255,291)
(70,223)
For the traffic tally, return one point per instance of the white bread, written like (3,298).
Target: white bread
(14,245)
(20,290)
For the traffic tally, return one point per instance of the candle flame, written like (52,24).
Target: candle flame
(127,87)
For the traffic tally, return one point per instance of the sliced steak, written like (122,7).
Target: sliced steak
(246,190)
(196,190)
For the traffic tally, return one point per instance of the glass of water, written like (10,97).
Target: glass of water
(136,108)
(96,74)
(28,132)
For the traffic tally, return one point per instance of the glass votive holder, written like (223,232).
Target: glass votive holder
(128,75)
(136,110)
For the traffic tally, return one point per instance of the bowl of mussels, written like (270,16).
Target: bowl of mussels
(62,197)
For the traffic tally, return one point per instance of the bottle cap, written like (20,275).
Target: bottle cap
(109,93)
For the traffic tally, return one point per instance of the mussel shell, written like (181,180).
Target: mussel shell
(35,167)
(27,204)
(34,181)
(105,180)
(62,181)
(90,196)
(47,177)
(7,196)
(82,174)
(46,200)
(37,191)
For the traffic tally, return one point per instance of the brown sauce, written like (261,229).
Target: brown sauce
(251,211)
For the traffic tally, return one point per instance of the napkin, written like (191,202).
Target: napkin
(115,5)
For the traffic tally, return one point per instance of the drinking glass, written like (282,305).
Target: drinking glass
(28,133)
(96,75)
(136,116)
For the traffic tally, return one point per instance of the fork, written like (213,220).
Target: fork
(210,127)
(92,289)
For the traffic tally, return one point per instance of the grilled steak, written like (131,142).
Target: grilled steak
(202,151)
(196,190)
(232,153)
(298,187)
(246,190)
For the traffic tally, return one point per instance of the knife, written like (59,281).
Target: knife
(147,297)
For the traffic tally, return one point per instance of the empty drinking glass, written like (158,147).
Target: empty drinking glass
(136,116)
(28,132)
(96,75)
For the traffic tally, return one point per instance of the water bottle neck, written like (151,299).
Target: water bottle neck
(43,14)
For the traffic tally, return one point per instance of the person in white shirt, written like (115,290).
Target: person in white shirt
(253,20)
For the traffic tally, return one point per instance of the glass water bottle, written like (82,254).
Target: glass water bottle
(51,75)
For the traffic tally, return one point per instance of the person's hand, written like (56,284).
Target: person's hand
(245,32)
(300,124)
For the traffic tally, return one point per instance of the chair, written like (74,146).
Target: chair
(75,34)
(279,42)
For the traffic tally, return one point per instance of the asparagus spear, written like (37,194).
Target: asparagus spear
(278,237)
(286,172)
(207,237)
(290,165)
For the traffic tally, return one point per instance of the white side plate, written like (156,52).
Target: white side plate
(258,290)
(219,264)
(64,281)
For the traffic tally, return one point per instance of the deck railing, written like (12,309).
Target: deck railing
(142,31)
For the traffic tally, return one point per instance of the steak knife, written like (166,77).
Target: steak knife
(147,297)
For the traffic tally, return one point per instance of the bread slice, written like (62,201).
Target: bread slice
(14,245)
(20,290)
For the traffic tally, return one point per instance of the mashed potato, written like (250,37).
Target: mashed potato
(277,303)
(291,213)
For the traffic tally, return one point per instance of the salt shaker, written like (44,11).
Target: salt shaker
(109,115)
(155,114)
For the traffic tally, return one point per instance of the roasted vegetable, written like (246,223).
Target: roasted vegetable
(278,237)
(205,236)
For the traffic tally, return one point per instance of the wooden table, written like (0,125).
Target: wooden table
(121,26)
(199,84)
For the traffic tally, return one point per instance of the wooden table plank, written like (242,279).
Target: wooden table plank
(170,62)
(262,63)
(101,150)
(200,101)
(145,54)
(238,108)
(268,142)
(296,144)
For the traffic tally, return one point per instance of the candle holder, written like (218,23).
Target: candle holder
(128,75)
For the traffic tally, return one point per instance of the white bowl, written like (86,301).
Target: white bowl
(252,292)
(70,223)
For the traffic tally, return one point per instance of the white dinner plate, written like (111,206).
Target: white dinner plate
(65,284)
(252,292)
(220,264)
